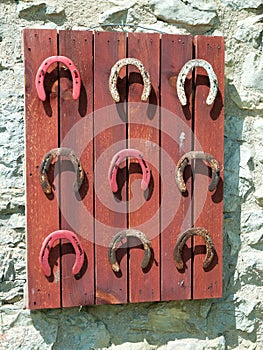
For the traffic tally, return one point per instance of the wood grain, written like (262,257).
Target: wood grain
(41,120)
(76,133)
(176,139)
(109,138)
(209,132)
(143,134)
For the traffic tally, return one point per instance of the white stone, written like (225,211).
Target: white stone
(117,14)
(196,344)
(252,71)
(133,346)
(249,30)
(176,11)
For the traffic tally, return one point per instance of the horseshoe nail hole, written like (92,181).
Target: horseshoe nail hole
(45,63)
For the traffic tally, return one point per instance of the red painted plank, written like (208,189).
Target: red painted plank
(176,139)
(41,121)
(143,133)
(76,133)
(209,131)
(109,138)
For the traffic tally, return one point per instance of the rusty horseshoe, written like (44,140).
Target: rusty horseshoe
(119,237)
(40,76)
(183,237)
(211,75)
(48,243)
(115,70)
(44,167)
(184,161)
(118,158)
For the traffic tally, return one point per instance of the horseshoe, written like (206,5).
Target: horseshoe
(48,243)
(115,70)
(44,167)
(211,75)
(184,161)
(40,76)
(119,237)
(183,237)
(118,158)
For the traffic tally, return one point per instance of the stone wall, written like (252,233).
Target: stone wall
(233,322)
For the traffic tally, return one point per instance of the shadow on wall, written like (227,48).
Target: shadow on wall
(158,323)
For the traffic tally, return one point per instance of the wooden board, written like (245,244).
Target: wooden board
(41,119)
(176,139)
(109,138)
(143,134)
(76,133)
(209,132)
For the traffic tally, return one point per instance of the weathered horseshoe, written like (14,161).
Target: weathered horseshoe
(44,167)
(48,243)
(115,70)
(119,237)
(118,158)
(211,75)
(183,237)
(184,161)
(40,76)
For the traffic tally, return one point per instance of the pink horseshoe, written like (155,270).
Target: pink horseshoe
(47,245)
(42,72)
(116,161)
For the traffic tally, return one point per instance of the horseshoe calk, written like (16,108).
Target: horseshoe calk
(40,76)
(119,237)
(183,237)
(47,160)
(184,161)
(115,70)
(48,243)
(183,74)
(116,161)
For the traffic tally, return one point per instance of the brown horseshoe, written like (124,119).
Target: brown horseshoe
(47,160)
(119,237)
(184,161)
(183,237)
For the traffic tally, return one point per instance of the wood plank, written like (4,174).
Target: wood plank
(176,139)
(143,133)
(109,138)
(41,120)
(209,132)
(76,133)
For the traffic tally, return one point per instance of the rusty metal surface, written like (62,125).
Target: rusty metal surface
(118,238)
(115,70)
(183,74)
(184,236)
(116,161)
(47,160)
(208,159)
(42,70)
(48,243)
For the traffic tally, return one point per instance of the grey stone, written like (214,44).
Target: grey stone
(176,11)
(241,4)
(117,14)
